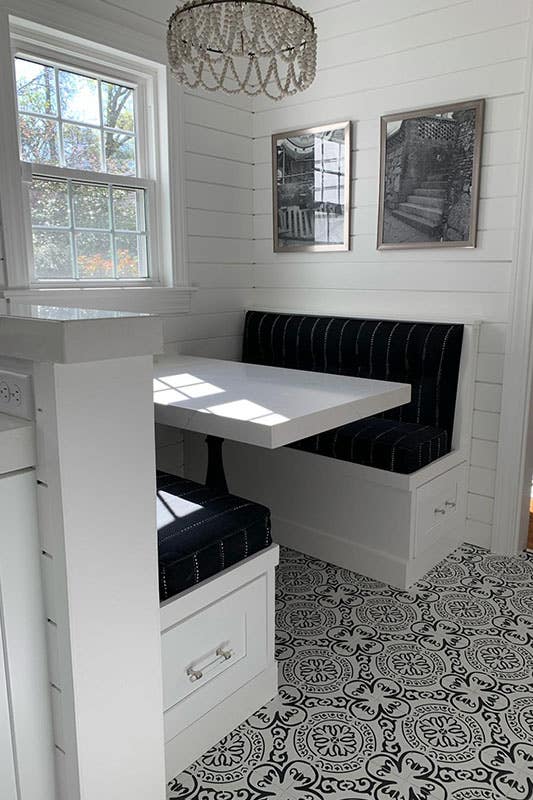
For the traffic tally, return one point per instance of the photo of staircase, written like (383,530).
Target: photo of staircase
(429,186)
(424,208)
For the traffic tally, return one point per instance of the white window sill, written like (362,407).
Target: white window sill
(148,299)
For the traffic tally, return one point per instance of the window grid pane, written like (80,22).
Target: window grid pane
(117,149)
(99,251)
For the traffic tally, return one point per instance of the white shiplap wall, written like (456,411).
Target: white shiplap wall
(380,56)
(218,195)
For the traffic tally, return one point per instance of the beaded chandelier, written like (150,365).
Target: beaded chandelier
(253,46)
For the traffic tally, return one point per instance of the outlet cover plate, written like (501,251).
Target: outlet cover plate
(16,394)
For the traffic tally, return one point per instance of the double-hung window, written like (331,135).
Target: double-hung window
(86,154)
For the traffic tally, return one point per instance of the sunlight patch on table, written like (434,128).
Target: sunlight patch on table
(247,411)
(166,388)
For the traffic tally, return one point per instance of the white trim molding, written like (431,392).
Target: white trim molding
(515,450)
(11,198)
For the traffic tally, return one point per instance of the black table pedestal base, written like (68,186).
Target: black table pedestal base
(215,477)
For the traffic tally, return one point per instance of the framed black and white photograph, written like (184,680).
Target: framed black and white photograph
(311,188)
(429,177)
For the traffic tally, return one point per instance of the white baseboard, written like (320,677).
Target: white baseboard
(395,571)
(190,744)
(350,555)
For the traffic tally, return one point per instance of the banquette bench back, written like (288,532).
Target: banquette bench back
(423,354)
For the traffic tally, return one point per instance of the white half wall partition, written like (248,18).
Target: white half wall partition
(92,377)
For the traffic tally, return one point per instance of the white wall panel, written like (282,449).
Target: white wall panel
(486,425)
(481,481)
(219,250)
(492,246)
(226,347)
(216,197)
(442,25)
(215,223)
(418,305)
(213,142)
(326,272)
(488,397)
(364,15)
(199,111)
(219,170)
(490,368)
(492,338)
(225,276)
(221,300)
(480,50)
(489,80)
(484,454)
(480,508)
(203,326)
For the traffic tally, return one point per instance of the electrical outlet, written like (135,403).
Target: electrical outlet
(16,395)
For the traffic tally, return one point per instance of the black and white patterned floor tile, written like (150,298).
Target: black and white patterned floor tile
(418,695)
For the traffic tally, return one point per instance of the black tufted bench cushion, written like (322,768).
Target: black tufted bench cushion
(381,443)
(425,355)
(201,531)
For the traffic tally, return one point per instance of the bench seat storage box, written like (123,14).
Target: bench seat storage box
(384,496)
(216,572)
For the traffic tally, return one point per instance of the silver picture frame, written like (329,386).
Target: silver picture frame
(430,162)
(311,188)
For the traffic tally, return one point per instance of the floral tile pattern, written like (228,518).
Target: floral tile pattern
(418,695)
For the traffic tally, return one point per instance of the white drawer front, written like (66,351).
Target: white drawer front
(212,653)
(439,505)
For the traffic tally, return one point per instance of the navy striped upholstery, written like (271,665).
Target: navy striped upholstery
(381,443)
(425,355)
(201,531)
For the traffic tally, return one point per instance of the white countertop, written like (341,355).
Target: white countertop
(264,406)
(17,444)
(71,335)
(63,313)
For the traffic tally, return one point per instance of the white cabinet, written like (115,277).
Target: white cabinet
(24,694)
(438,505)
(218,657)
(8,779)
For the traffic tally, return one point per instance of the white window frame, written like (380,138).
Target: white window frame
(160,151)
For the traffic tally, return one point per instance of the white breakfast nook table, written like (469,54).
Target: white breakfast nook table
(259,405)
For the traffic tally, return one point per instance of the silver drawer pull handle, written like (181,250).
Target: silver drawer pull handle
(222,654)
(450,503)
(439,511)
(194,674)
